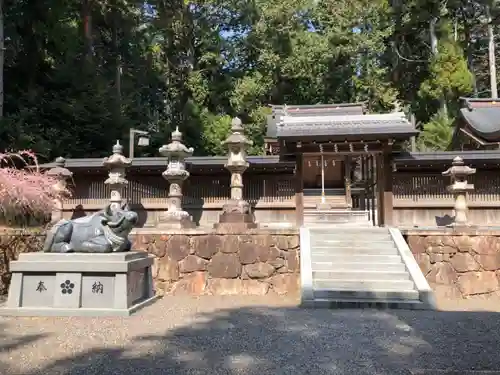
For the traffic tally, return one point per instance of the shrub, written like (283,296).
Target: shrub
(26,194)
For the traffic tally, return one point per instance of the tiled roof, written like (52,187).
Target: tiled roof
(376,124)
(317,110)
(483,121)
(446,157)
(160,162)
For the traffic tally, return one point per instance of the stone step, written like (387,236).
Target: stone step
(348,233)
(346,224)
(380,294)
(352,243)
(369,303)
(378,237)
(347,251)
(336,258)
(373,230)
(364,285)
(340,275)
(395,266)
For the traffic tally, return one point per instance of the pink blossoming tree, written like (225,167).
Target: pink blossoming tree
(25,191)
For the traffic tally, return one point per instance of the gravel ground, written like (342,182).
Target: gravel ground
(257,336)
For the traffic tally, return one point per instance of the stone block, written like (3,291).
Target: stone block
(192,263)
(463,262)
(51,284)
(487,245)
(472,283)
(193,284)
(442,273)
(259,270)
(207,246)
(285,283)
(417,244)
(168,269)
(489,262)
(292,261)
(234,287)
(225,266)
(178,247)
(248,253)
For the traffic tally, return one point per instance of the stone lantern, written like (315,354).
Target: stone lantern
(176,153)
(459,188)
(117,165)
(60,188)
(236,211)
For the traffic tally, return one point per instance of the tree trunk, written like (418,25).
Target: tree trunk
(87,28)
(433,36)
(117,112)
(435,51)
(470,58)
(491,55)
(2,57)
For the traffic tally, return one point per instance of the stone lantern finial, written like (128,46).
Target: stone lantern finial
(60,188)
(176,153)
(237,210)
(459,187)
(117,164)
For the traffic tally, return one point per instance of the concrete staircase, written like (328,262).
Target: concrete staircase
(360,267)
(315,218)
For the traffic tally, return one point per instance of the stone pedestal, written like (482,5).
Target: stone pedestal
(77,284)
(236,214)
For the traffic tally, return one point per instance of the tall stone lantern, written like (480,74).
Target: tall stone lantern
(237,211)
(117,164)
(61,175)
(459,187)
(176,153)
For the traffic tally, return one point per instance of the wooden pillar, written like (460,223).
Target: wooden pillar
(384,183)
(380,189)
(388,180)
(347,180)
(299,190)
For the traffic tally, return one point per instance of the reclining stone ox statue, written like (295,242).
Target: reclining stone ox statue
(105,231)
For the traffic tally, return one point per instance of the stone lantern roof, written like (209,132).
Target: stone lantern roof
(59,170)
(117,159)
(458,169)
(176,147)
(237,137)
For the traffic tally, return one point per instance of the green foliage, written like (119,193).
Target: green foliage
(437,133)
(196,64)
(449,74)
(215,131)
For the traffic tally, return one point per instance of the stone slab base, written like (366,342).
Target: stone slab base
(177,224)
(235,220)
(31,312)
(47,284)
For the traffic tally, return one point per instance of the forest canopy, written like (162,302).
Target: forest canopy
(77,75)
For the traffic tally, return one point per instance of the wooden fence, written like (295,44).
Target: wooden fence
(198,191)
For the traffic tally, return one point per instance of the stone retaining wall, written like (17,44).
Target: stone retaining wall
(197,262)
(458,263)
(194,262)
